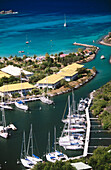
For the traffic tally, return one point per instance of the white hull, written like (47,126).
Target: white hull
(56,156)
(5,106)
(74,130)
(73,147)
(26,163)
(21,106)
(73,120)
(77,126)
(46,100)
(68,140)
(3,134)
(34,160)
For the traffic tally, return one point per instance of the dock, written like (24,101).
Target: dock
(85,45)
(86,145)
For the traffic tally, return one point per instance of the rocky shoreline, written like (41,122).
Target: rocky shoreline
(102,41)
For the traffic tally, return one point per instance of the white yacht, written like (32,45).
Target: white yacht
(55,155)
(33,158)
(69,140)
(46,100)
(25,162)
(5,106)
(21,105)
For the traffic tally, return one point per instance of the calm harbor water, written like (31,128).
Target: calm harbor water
(42,25)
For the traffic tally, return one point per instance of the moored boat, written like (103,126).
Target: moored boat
(21,105)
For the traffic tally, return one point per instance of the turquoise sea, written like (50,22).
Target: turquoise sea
(41,24)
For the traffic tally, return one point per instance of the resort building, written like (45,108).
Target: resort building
(70,72)
(15,71)
(53,81)
(13,88)
(50,81)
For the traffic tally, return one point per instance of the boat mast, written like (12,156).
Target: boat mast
(54,138)
(21,80)
(49,141)
(3,118)
(30,141)
(23,149)
(69,116)
(73,103)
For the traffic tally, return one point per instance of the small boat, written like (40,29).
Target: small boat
(102,57)
(46,100)
(5,106)
(21,51)
(27,42)
(3,129)
(21,105)
(82,105)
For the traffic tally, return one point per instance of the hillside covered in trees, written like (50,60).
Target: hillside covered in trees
(101,106)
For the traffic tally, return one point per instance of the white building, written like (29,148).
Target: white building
(68,73)
(15,71)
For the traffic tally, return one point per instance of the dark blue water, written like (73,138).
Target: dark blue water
(41,23)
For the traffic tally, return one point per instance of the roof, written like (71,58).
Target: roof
(52,79)
(15,71)
(2,74)
(69,70)
(80,166)
(15,87)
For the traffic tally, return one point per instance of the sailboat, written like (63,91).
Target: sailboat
(23,158)
(56,155)
(46,99)
(27,160)
(3,129)
(20,104)
(33,158)
(65,21)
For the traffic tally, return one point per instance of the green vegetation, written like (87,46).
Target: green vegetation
(45,67)
(101,159)
(101,106)
(107,39)
(58,165)
(10,80)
